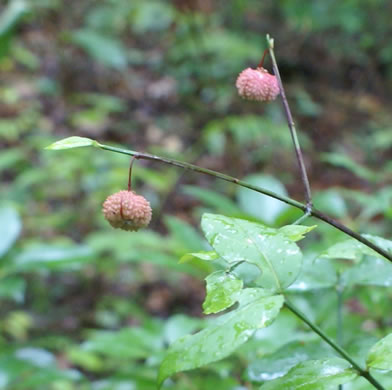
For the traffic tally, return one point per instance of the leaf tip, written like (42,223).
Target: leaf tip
(72,142)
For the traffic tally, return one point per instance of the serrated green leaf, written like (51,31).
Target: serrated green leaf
(296,232)
(314,374)
(236,240)
(222,291)
(224,336)
(203,255)
(72,142)
(10,228)
(380,355)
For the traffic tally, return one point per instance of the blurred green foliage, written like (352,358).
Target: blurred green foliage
(87,307)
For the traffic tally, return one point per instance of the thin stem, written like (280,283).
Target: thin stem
(260,65)
(290,122)
(334,345)
(313,212)
(303,218)
(130,173)
(339,313)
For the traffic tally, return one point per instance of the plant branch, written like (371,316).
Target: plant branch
(305,208)
(290,122)
(334,345)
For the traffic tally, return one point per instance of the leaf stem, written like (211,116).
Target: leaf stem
(130,173)
(334,345)
(291,124)
(305,208)
(302,218)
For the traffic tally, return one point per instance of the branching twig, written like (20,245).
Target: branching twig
(313,212)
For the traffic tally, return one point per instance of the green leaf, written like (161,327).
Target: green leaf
(127,343)
(204,255)
(224,336)
(103,48)
(11,16)
(72,142)
(180,325)
(49,257)
(350,249)
(186,234)
(278,363)
(331,202)
(345,161)
(314,374)
(372,271)
(315,274)
(152,16)
(236,240)
(262,206)
(222,291)
(381,242)
(213,199)
(10,228)
(296,232)
(380,355)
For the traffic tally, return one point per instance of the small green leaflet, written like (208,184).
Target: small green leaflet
(207,256)
(73,142)
(222,291)
(296,232)
(380,355)
(257,309)
(314,374)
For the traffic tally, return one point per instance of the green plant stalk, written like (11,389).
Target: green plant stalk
(305,208)
(365,374)
(291,124)
(339,313)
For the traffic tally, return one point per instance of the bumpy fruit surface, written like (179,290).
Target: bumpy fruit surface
(257,84)
(127,210)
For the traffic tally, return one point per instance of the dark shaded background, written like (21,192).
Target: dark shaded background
(159,76)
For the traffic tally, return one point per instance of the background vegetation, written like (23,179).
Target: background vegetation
(159,76)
